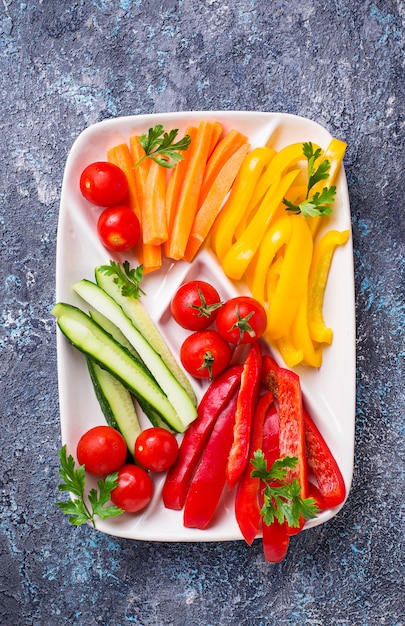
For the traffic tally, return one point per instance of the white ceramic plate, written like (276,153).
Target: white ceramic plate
(329,392)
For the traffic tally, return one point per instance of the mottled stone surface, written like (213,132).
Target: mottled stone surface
(66,65)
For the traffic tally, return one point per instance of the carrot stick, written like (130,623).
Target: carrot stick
(174,186)
(141,170)
(188,200)
(209,210)
(154,226)
(121,156)
(216,134)
(149,256)
(224,149)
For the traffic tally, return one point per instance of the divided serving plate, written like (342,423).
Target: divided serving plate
(329,392)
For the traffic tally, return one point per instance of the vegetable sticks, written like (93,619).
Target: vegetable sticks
(141,170)
(208,211)
(188,199)
(174,187)
(154,226)
(223,151)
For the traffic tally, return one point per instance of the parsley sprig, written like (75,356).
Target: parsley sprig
(160,147)
(127,278)
(79,509)
(319,204)
(282,501)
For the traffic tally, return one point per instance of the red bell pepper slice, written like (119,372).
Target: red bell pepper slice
(275,541)
(247,396)
(269,374)
(323,465)
(247,509)
(275,536)
(179,476)
(292,430)
(313,492)
(210,478)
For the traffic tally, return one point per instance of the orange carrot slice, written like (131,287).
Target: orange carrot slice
(174,186)
(207,213)
(224,149)
(121,156)
(190,191)
(217,130)
(154,226)
(149,256)
(141,170)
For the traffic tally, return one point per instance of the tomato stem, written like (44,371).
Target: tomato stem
(204,309)
(242,324)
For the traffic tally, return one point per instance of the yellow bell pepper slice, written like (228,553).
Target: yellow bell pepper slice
(290,233)
(301,338)
(223,230)
(257,197)
(334,153)
(291,355)
(293,281)
(242,251)
(318,276)
(278,236)
(284,159)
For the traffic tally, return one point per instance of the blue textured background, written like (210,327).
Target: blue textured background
(66,65)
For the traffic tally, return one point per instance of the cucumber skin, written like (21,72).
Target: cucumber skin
(110,417)
(102,400)
(156,398)
(116,403)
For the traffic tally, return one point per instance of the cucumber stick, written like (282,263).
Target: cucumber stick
(111,328)
(134,309)
(116,403)
(176,394)
(86,335)
(115,332)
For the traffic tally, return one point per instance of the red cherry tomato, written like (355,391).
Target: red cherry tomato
(101,450)
(241,320)
(134,490)
(195,305)
(204,354)
(118,228)
(103,183)
(156,449)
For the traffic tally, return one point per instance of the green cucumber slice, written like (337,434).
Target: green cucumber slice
(88,337)
(116,403)
(177,395)
(136,312)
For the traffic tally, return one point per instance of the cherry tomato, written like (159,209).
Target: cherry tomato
(101,450)
(241,320)
(156,449)
(204,354)
(103,183)
(195,305)
(134,490)
(118,228)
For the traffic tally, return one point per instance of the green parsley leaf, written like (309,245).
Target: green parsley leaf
(126,278)
(80,510)
(159,146)
(320,203)
(281,500)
